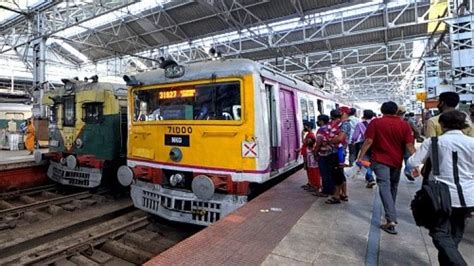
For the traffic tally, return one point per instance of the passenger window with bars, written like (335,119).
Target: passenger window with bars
(92,113)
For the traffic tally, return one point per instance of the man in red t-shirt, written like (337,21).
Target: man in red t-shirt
(387,138)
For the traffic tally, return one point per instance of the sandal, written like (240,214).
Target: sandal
(344,198)
(305,186)
(332,201)
(319,194)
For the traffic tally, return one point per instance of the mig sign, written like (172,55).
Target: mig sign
(177,140)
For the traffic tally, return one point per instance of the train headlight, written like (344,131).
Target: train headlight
(79,143)
(71,162)
(176,179)
(176,154)
(125,175)
(203,187)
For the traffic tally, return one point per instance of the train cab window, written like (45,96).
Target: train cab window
(217,101)
(304,110)
(69,111)
(92,113)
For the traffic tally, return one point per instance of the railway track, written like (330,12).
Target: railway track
(43,227)
(27,191)
(33,205)
(128,239)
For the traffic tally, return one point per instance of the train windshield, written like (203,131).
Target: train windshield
(216,101)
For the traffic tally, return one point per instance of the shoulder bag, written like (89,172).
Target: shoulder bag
(433,200)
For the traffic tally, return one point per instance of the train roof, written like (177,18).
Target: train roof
(118,89)
(225,68)
(18,107)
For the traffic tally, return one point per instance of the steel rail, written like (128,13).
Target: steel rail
(46,203)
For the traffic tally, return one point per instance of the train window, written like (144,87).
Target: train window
(312,114)
(304,110)
(217,101)
(320,106)
(14,116)
(69,111)
(92,113)
(53,113)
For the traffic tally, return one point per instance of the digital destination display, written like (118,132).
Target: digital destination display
(177,93)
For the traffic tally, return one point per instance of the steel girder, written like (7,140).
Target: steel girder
(294,49)
(57,16)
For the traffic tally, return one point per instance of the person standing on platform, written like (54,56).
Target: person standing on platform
(323,149)
(407,170)
(30,136)
(387,137)
(353,121)
(339,140)
(447,102)
(456,168)
(312,169)
(309,161)
(358,138)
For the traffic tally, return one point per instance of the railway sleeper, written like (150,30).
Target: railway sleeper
(5,205)
(55,210)
(126,252)
(69,207)
(31,217)
(48,194)
(27,199)
(139,242)
(98,256)
(64,262)
(82,260)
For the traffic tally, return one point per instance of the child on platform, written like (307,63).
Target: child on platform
(334,130)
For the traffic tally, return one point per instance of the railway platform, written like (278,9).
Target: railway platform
(18,170)
(288,226)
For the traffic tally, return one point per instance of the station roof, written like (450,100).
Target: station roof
(357,49)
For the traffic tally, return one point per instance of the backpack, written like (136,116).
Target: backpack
(433,200)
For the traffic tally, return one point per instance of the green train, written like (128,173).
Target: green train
(87,132)
(15,112)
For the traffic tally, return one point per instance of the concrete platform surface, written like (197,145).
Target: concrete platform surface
(309,232)
(15,157)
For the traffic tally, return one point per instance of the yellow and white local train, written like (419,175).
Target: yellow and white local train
(200,134)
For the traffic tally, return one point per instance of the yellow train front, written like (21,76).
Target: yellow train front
(200,134)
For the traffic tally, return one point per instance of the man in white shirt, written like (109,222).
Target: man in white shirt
(456,170)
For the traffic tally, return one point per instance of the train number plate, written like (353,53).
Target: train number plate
(177,140)
(53,143)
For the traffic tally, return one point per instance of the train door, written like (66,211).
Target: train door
(272,125)
(289,138)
